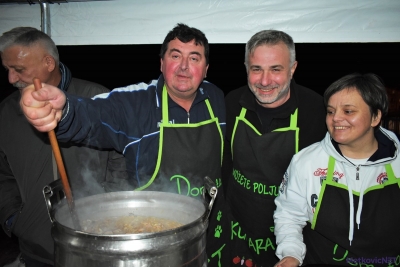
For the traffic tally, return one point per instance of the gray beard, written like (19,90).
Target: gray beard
(279,96)
(19,85)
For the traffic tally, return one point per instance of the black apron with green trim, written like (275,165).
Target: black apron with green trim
(187,153)
(373,244)
(259,163)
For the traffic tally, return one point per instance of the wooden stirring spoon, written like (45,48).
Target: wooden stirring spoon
(61,169)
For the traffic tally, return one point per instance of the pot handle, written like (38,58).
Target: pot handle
(211,189)
(53,195)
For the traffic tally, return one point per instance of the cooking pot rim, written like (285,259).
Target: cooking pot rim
(130,195)
(52,195)
(179,229)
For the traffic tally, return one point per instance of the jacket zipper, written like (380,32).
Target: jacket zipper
(357,174)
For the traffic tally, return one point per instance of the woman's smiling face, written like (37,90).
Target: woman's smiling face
(349,119)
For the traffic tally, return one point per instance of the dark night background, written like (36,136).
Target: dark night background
(319,64)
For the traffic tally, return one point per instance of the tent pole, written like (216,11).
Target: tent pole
(45,15)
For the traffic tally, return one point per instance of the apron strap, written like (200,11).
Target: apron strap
(293,127)
(293,119)
(164,100)
(165,115)
(242,118)
(242,113)
(210,109)
(331,168)
(328,180)
(390,174)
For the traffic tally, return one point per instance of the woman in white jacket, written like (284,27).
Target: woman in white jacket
(339,199)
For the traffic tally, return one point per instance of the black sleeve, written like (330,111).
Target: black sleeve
(10,198)
(312,122)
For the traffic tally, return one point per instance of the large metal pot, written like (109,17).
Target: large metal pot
(182,246)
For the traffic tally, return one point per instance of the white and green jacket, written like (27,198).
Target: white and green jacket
(302,187)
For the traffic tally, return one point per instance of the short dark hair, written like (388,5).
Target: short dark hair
(269,37)
(186,34)
(370,87)
(28,36)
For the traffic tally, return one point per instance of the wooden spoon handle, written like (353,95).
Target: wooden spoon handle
(61,168)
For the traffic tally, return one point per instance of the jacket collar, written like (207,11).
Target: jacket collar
(386,147)
(66,77)
(201,95)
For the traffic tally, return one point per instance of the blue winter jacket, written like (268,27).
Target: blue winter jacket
(127,119)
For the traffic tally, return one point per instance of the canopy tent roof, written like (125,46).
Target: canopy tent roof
(223,21)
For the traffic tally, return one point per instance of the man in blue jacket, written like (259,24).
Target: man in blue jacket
(178,109)
(170,130)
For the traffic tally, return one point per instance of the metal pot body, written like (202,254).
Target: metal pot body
(182,246)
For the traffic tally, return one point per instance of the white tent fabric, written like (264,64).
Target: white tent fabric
(223,21)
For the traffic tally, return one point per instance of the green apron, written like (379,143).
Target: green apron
(327,237)
(259,163)
(187,153)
